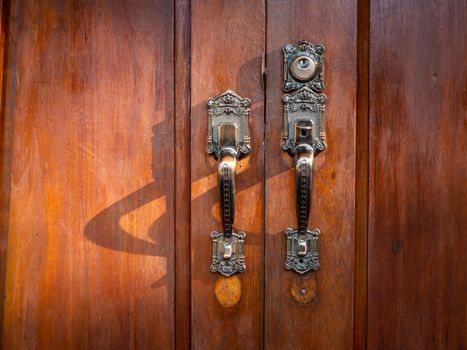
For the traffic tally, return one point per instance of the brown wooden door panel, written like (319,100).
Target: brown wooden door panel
(325,321)
(417,267)
(90,236)
(227,47)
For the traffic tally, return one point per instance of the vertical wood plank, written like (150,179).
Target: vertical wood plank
(227,46)
(90,91)
(418,198)
(182,175)
(361,183)
(325,320)
(5,160)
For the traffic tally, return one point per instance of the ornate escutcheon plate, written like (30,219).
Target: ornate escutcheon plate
(302,264)
(236,262)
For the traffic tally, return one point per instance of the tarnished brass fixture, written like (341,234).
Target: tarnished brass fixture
(303,139)
(228,140)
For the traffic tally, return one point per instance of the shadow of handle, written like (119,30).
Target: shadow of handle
(104,229)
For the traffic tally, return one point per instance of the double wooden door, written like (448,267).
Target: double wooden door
(109,197)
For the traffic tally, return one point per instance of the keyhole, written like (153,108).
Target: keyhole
(303,132)
(303,68)
(303,63)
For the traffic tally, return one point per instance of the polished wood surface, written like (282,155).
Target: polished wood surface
(326,321)
(108,196)
(89,94)
(417,278)
(227,46)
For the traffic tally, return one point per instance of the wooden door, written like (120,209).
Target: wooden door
(88,169)
(314,310)
(417,268)
(108,195)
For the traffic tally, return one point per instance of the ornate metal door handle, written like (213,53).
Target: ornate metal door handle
(303,138)
(228,140)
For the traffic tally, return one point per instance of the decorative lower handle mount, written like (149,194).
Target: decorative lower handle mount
(228,140)
(303,139)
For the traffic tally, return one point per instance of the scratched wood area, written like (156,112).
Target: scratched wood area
(90,236)
(322,317)
(227,46)
(417,278)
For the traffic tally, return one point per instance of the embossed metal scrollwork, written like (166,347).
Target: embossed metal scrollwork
(303,139)
(228,140)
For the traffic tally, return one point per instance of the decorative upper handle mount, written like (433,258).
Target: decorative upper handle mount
(303,139)
(228,140)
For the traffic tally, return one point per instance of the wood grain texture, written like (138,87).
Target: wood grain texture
(5,161)
(228,290)
(326,322)
(418,136)
(227,46)
(90,244)
(182,175)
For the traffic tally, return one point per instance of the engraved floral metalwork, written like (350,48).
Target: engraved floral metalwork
(304,104)
(225,108)
(308,262)
(236,262)
(313,52)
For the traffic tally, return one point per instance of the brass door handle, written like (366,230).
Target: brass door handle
(226,185)
(303,138)
(303,190)
(228,140)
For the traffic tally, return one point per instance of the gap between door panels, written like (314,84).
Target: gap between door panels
(264,77)
(182,166)
(362,175)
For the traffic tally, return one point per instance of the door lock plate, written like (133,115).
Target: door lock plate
(303,138)
(303,66)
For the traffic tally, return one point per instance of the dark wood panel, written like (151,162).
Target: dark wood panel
(227,46)
(325,322)
(90,244)
(418,139)
(5,161)
(182,175)
(361,183)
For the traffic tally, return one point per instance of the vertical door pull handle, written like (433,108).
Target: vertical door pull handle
(303,139)
(228,140)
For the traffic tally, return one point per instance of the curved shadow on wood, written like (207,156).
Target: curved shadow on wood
(104,229)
